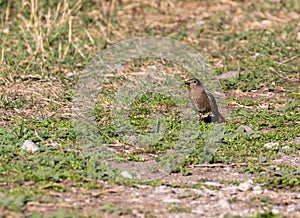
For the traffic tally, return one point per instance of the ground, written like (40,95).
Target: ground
(45,47)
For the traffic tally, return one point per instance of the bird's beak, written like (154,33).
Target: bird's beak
(187,83)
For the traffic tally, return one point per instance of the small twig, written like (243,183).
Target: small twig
(280,75)
(89,36)
(221,165)
(37,135)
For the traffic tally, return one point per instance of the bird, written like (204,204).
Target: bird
(202,99)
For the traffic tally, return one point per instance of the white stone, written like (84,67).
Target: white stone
(257,190)
(217,184)
(126,174)
(285,147)
(245,186)
(171,200)
(29,146)
(271,145)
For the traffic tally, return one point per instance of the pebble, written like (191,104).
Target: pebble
(291,208)
(285,147)
(245,128)
(171,200)
(231,188)
(257,190)
(198,210)
(271,145)
(229,75)
(263,160)
(217,184)
(88,201)
(29,146)
(68,199)
(246,186)
(126,174)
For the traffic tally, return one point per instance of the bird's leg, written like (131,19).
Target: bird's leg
(202,116)
(207,118)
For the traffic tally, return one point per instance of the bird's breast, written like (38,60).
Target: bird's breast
(200,100)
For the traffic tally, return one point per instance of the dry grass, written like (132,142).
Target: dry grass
(44,39)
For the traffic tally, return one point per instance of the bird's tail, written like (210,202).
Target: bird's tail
(218,117)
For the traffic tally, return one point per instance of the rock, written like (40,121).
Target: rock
(126,174)
(231,188)
(171,200)
(224,204)
(245,128)
(296,140)
(29,146)
(217,184)
(229,75)
(88,201)
(74,190)
(285,148)
(200,22)
(246,186)
(291,208)
(257,190)
(119,67)
(67,199)
(263,160)
(271,145)
(198,210)
(278,160)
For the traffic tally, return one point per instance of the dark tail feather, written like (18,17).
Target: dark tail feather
(218,118)
(221,119)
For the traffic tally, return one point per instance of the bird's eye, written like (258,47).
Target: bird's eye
(195,81)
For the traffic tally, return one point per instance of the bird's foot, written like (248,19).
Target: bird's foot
(205,118)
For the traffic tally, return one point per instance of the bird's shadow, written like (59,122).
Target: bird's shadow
(206,119)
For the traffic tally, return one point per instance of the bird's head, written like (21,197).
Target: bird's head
(193,82)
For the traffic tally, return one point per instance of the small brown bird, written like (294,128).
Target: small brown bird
(202,100)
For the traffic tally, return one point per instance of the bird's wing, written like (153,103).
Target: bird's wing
(212,101)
